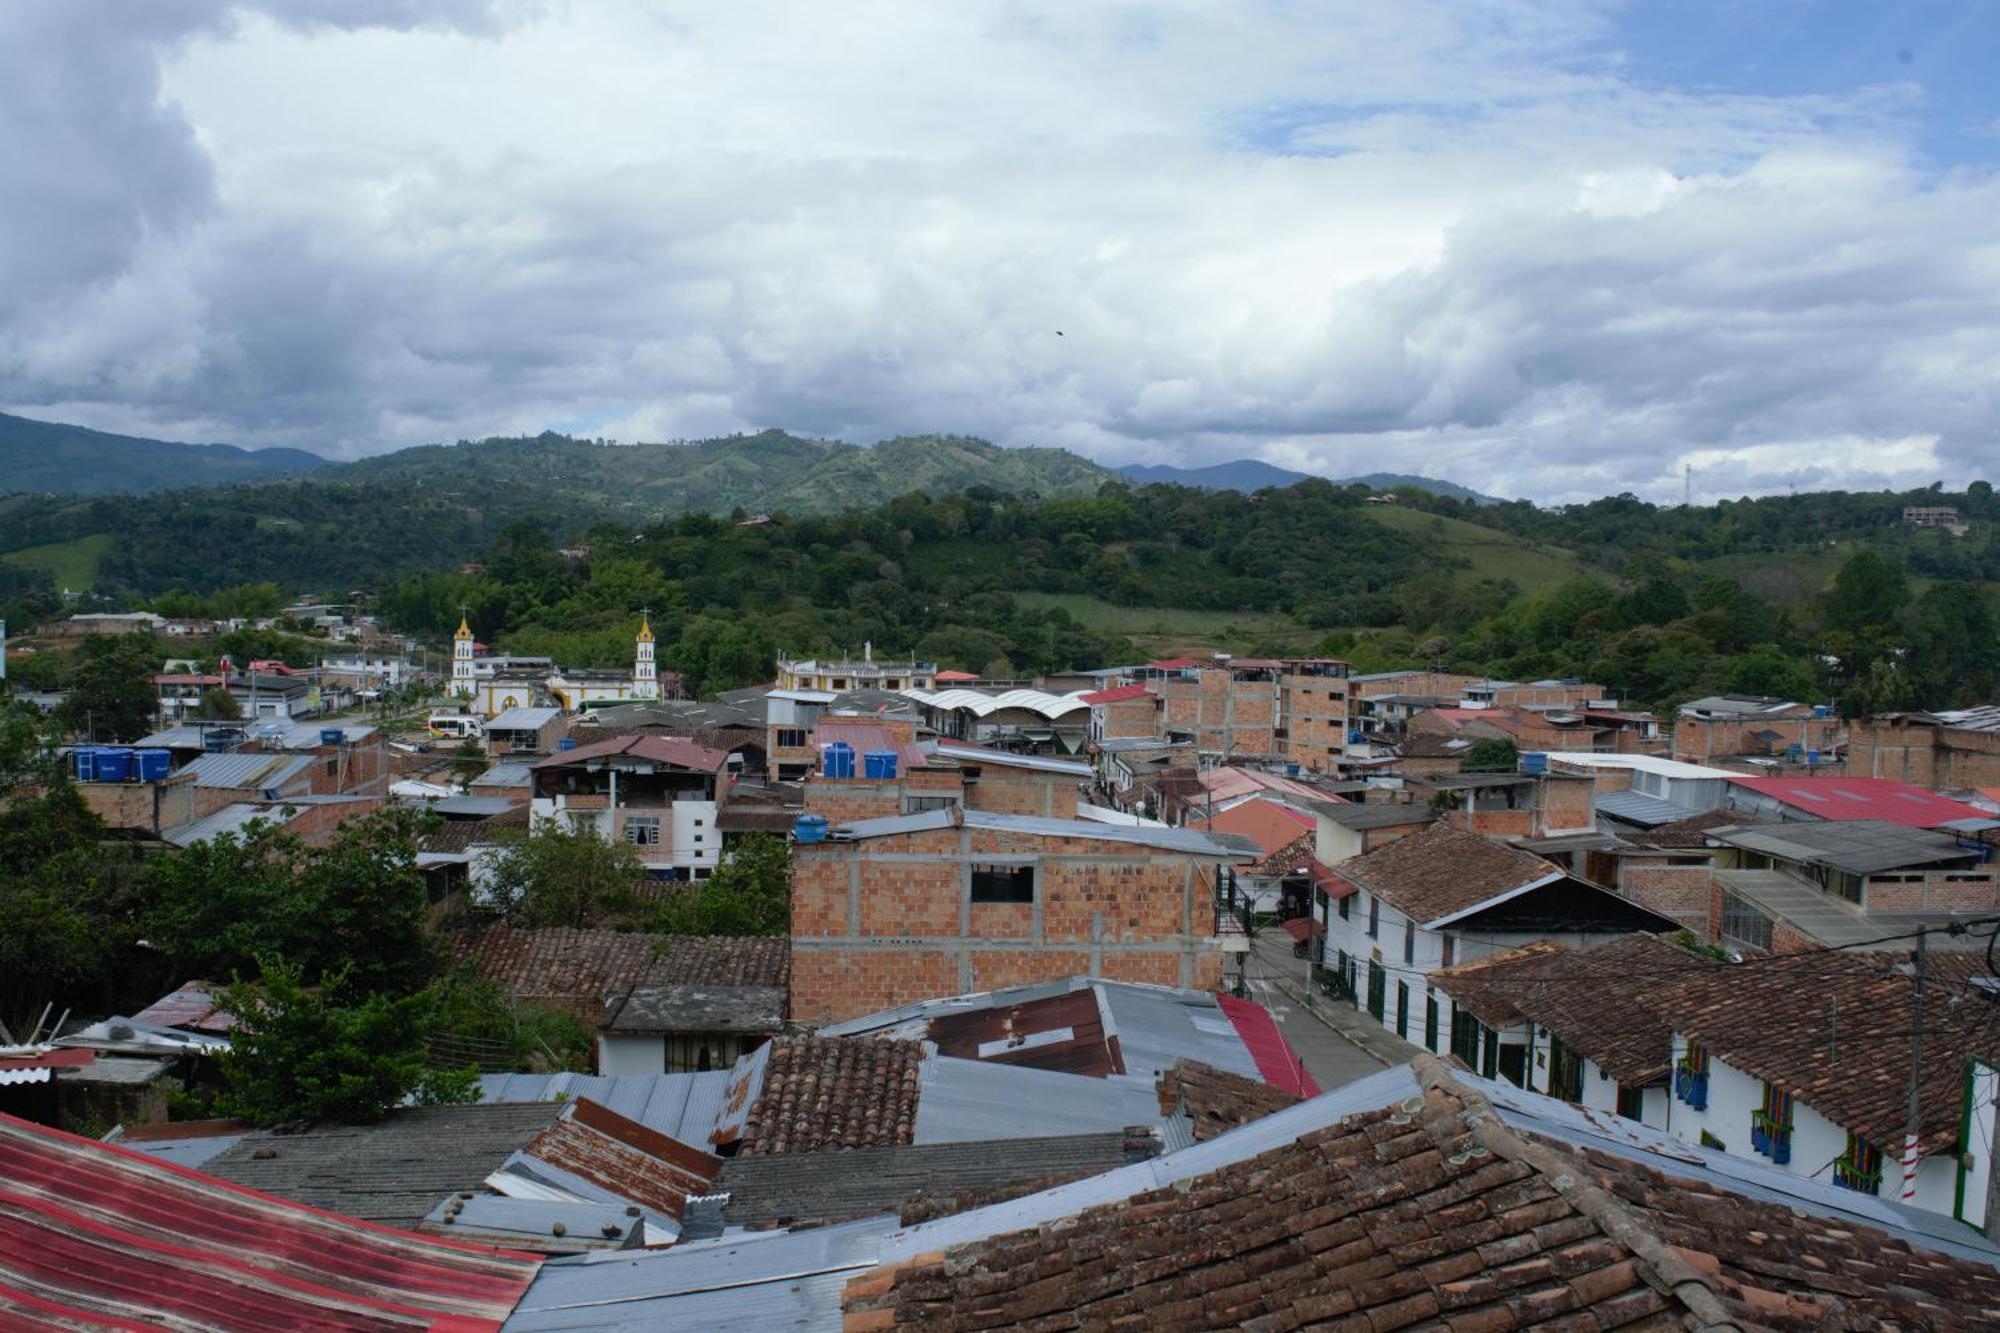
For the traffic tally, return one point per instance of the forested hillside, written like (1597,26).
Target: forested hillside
(52,456)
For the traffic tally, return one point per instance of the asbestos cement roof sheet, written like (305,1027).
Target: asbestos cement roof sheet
(1190,842)
(969,1101)
(1638,808)
(250,771)
(229,819)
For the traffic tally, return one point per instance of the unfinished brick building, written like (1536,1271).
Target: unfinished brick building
(892,910)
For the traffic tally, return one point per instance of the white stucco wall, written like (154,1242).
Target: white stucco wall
(1983,1090)
(631,1055)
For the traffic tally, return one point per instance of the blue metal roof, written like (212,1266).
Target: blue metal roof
(682,1106)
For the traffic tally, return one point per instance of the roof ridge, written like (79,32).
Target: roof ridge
(1659,1262)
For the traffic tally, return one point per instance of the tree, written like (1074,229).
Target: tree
(111,695)
(1491,755)
(468,761)
(566,877)
(749,894)
(303,1053)
(355,907)
(1868,593)
(218,705)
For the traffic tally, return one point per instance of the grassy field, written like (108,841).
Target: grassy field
(1169,631)
(1492,554)
(74,564)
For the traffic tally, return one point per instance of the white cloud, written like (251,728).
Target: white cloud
(1445,238)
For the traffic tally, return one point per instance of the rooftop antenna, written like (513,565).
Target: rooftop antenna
(1687,485)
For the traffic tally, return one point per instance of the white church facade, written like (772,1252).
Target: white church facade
(492,685)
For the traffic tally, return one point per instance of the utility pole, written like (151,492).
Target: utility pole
(1910,1132)
(1687,485)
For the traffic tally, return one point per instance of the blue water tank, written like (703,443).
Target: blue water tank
(566,743)
(332,736)
(1534,763)
(1812,756)
(1822,710)
(113,764)
(1291,770)
(880,765)
(84,760)
(1354,738)
(809,828)
(837,760)
(154,765)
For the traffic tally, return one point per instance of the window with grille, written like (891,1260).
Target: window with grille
(1003,884)
(1744,923)
(642,831)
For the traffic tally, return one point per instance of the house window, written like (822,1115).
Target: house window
(697,837)
(1447,950)
(1466,1034)
(913,805)
(840,682)
(1003,884)
(642,831)
(1374,918)
(1771,1125)
(1631,1102)
(791,738)
(1409,941)
(968,776)
(1860,1167)
(1430,1020)
(1744,923)
(1347,908)
(1691,1077)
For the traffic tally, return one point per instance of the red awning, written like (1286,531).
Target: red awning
(1301,926)
(1332,883)
(1275,1058)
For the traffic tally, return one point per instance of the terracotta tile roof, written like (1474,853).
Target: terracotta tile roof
(1432,745)
(671,750)
(1215,1099)
(1602,1002)
(1441,869)
(1270,824)
(1431,1213)
(459,835)
(1773,1019)
(1292,856)
(580,971)
(1688,832)
(823,1093)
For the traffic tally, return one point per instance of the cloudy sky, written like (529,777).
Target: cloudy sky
(1543,248)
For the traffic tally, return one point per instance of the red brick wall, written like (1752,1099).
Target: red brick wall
(1686,893)
(843,800)
(1225,715)
(1925,756)
(1023,791)
(1697,740)
(1937,891)
(153,806)
(1565,804)
(1130,717)
(912,934)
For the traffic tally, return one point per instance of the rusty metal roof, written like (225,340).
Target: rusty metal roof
(1067,1032)
(623,1158)
(98,1236)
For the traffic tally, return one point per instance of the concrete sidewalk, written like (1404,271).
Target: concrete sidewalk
(1271,967)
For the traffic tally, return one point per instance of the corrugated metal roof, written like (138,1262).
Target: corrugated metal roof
(523,719)
(1190,842)
(506,775)
(682,1105)
(229,819)
(482,807)
(755,1283)
(1847,799)
(1645,811)
(971,1101)
(981,704)
(1044,763)
(100,1235)
(252,771)
(1831,920)
(1861,847)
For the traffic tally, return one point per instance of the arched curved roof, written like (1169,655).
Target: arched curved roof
(980,705)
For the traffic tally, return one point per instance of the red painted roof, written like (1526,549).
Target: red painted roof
(191,1007)
(1118,694)
(1268,1047)
(1175,663)
(1843,799)
(1267,823)
(1332,883)
(97,1236)
(674,750)
(62,1057)
(956,675)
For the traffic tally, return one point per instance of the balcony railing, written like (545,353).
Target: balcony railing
(1770,1138)
(1861,1179)
(1691,1086)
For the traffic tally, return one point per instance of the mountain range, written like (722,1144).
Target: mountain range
(770,470)
(1250,474)
(74,460)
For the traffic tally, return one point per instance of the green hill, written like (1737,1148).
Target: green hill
(49,456)
(761,473)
